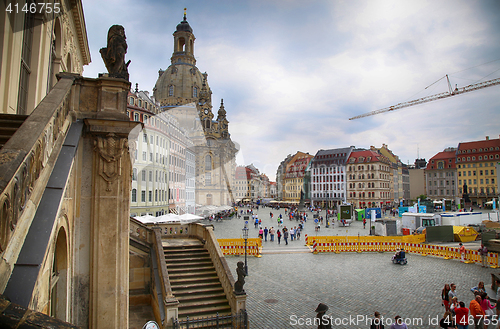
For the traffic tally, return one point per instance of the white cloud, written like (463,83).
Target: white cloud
(291,73)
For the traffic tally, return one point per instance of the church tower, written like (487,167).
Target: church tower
(181,82)
(183,91)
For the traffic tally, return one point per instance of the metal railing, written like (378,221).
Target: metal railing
(236,321)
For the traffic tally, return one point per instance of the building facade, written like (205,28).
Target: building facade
(369,179)
(34,48)
(441,176)
(328,177)
(476,167)
(293,182)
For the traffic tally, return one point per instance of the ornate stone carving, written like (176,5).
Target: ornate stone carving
(114,54)
(110,149)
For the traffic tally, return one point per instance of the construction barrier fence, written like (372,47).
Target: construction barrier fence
(338,244)
(237,246)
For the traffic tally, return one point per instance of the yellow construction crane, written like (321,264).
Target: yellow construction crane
(451,92)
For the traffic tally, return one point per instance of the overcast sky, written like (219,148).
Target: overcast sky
(293,72)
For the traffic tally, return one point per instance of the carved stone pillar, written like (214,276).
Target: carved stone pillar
(241,302)
(109,218)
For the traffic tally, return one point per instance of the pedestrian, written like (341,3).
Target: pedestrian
(454,305)
(265,233)
(452,292)
(462,316)
(477,312)
(279,236)
(297,233)
(497,297)
(483,251)
(364,222)
(445,297)
(261,232)
(479,288)
(398,323)
(271,233)
(292,234)
(377,322)
(462,252)
(486,306)
(447,321)
(285,235)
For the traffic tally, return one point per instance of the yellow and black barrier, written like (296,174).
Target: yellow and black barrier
(411,244)
(237,246)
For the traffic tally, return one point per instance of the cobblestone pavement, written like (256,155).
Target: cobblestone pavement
(285,288)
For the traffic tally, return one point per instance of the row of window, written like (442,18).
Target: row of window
(328,170)
(482,190)
(160,195)
(325,187)
(171,91)
(141,103)
(383,195)
(480,150)
(369,167)
(474,181)
(328,195)
(473,173)
(491,157)
(336,178)
(159,176)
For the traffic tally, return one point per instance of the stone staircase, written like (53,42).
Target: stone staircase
(9,123)
(194,281)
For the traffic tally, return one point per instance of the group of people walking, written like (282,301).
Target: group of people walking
(292,233)
(480,313)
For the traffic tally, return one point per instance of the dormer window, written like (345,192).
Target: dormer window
(195,92)
(170,90)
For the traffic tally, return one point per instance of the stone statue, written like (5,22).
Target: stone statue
(238,285)
(114,54)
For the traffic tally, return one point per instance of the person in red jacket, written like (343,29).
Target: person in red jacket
(462,316)
(477,312)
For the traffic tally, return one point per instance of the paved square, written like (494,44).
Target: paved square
(285,288)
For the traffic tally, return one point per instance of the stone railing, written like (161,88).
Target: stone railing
(206,234)
(223,271)
(26,162)
(141,232)
(170,303)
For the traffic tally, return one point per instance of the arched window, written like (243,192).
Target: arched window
(134,195)
(171,90)
(208,162)
(195,92)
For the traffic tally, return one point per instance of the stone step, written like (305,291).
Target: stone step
(192,274)
(201,303)
(169,256)
(188,265)
(187,286)
(9,123)
(203,311)
(194,267)
(188,299)
(188,260)
(216,289)
(193,280)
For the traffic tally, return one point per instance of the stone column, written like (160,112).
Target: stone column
(111,183)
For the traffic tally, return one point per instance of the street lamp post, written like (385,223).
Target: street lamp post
(245,237)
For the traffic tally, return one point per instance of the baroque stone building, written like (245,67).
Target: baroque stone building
(183,91)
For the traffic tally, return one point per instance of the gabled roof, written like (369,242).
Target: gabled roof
(367,156)
(447,156)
